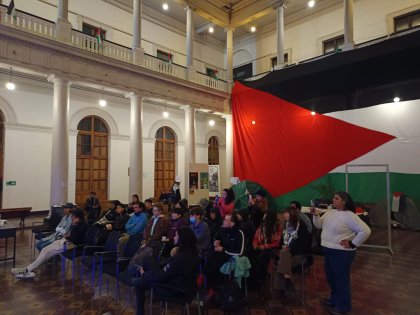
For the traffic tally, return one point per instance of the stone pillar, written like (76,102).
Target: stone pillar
(190,43)
(138,52)
(229,148)
(136,145)
(189,142)
(280,37)
(348,25)
(60,141)
(63,26)
(229,58)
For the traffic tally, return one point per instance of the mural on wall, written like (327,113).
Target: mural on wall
(213,180)
(204,180)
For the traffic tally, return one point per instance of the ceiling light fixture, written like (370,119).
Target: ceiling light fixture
(212,122)
(253,28)
(165,6)
(211,29)
(10,85)
(311,3)
(102,101)
(396,99)
(165,113)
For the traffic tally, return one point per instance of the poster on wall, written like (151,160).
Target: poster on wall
(204,180)
(213,180)
(193,180)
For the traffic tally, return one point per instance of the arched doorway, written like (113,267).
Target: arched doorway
(213,151)
(1,157)
(91,159)
(164,160)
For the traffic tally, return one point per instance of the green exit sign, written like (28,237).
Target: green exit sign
(11,183)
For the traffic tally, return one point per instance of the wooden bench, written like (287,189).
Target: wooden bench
(16,213)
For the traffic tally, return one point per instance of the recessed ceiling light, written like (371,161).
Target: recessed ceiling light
(211,29)
(212,122)
(396,99)
(165,114)
(311,3)
(165,6)
(10,86)
(253,29)
(102,103)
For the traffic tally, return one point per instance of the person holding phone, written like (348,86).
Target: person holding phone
(342,232)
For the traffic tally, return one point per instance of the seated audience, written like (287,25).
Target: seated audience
(148,203)
(200,229)
(75,237)
(303,217)
(138,221)
(229,242)
(109,216)
(62,228)
(183,205)
(134,199)
(258,207)
(173,273)
(295,241)
(266,238)
(214,221)
(175,223)
(247,227)
(92,207)
(121,219)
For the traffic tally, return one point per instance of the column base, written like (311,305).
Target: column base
(63,28)
(347,46)
(138,56)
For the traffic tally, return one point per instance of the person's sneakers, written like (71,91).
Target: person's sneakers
(16,271)
(25,275)
(327,302)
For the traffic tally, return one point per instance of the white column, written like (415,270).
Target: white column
(60,141)
(136,145)
(190,43)
(62,24)
(229,148)
(348,25)
(229,57)
(138,52)
(189,142)
(280,37)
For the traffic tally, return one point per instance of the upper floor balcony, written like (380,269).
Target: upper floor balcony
(48,29)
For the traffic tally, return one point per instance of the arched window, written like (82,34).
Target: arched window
(213,154)
(91,159)
(164,160)
(1,156)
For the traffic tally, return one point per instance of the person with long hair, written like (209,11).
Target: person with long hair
(342,233)
(295,241)
(173,273)
(226,203)
(266,238)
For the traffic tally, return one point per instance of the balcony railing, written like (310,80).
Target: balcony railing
(42,27)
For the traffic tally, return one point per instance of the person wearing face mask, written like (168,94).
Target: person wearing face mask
(200,228)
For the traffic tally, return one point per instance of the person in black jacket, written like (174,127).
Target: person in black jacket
(229,242)
(295,241)
(76,237)
(121,218)
(175,272)
(92,207)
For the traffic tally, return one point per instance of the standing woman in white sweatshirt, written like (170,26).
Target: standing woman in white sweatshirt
(342,232)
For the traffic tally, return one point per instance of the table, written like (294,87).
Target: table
(7,231)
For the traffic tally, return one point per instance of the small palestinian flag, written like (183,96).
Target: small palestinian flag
(98,36)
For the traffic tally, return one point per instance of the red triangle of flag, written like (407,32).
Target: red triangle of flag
(283,147)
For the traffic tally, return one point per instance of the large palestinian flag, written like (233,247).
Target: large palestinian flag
(296,129)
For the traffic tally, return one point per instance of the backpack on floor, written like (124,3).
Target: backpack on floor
(231,296)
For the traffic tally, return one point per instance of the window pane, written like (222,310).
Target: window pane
(85,124)
(159,133)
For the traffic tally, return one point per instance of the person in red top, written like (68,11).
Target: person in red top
(226,203)
(266,238)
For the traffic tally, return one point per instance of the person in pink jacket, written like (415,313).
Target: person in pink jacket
(226,203)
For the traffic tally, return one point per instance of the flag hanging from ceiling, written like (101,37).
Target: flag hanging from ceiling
(283,146)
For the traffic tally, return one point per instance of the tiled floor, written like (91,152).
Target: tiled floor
(382,285)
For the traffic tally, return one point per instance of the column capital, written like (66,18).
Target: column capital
(58,78)
(227,117)
(280,4)
(187,7)
(187,108)
(134,95)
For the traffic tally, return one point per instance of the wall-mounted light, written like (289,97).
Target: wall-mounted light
(165,113)
(311,3)
(165,6)
(211,29)
(396,99)
(212,122)
(253,28)
(102,101)
(9,84)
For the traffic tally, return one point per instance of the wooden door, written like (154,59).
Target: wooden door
(92,160)
(164,160)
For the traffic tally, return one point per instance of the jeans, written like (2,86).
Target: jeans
(337,270)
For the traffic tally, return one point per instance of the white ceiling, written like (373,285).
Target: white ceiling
(240,14)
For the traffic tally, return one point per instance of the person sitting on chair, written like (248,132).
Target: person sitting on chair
(109,216)
(121,218)
(75,237)
(62,228)
(174,272)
